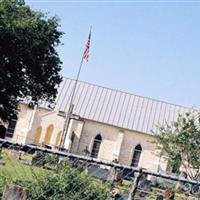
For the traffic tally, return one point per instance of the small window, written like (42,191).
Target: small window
(136,156)
(11,127)
(96,146)
(73,137)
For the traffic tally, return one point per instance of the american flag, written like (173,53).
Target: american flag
(87,48)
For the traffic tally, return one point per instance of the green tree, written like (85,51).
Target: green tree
(179,143)
(29,63)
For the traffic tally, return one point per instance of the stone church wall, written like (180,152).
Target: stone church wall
(116,143)
(120,144)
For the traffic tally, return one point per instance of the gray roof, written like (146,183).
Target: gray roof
(115,107)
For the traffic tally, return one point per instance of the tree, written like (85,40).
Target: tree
(29,63)
(180,143)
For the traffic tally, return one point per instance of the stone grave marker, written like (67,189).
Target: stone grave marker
(14,192)
(14,154)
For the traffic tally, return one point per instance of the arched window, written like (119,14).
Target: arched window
(58,138)
(48,135)
(96,146)
(38,135)
(73,137)
(136,155)
(11,127)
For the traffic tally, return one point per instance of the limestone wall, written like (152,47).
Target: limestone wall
(52,121)
(116,143)
(23,124)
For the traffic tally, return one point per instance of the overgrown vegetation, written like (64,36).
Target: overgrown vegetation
(64,183)
(67,183)
(51,159)
(179,143)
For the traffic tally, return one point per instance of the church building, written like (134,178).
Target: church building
(106,124)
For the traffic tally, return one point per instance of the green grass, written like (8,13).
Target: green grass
(15,170)
(49,184)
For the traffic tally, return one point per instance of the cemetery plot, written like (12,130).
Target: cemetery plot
(54,174)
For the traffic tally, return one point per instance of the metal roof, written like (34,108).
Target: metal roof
(115,107)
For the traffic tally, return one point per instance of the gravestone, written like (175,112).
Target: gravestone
(14,154)
(26,162)
(38,159)
(14,192)
(159,197)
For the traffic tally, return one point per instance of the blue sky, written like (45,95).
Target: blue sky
(149,48)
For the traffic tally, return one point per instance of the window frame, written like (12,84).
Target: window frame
(135,158)
(96,146)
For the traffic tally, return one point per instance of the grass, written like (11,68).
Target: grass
(16,170)
(48,184)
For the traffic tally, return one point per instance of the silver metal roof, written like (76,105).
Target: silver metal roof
(115,107)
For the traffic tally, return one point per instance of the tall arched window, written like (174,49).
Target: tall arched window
(48,135)
(58,138)
(73,137)
(38,135)
(11,126)
(96,146)
(136,155)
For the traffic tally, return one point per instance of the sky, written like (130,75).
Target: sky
(148,48)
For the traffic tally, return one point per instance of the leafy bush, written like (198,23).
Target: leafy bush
(51,159)
(67,183)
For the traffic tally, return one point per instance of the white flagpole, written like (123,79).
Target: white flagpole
(70,110)
(71,106)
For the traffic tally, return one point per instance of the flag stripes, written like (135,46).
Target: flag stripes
(87,48)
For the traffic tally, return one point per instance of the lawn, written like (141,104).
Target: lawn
(43,184)
(16,170)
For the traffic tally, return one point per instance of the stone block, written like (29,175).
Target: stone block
(14,154)
(14,192)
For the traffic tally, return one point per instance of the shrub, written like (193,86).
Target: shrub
(67,183)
